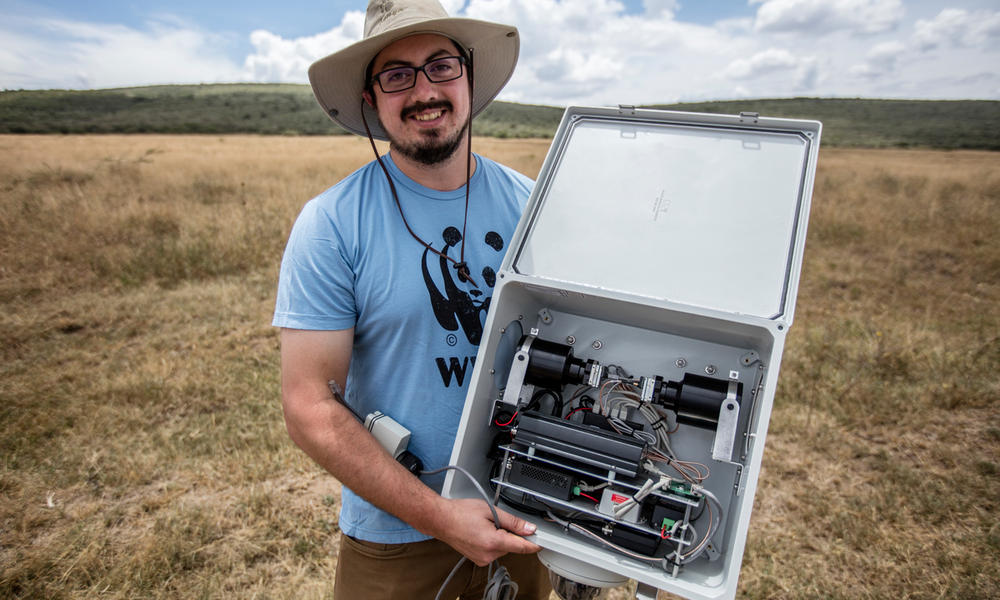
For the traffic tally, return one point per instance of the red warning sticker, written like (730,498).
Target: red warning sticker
(618,498)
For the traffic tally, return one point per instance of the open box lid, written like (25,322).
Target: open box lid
(702,210)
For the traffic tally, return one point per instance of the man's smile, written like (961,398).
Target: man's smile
(425,112)
(430,116)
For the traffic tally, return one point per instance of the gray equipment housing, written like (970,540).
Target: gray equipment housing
(667,243)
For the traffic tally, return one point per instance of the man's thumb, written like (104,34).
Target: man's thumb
(515,524)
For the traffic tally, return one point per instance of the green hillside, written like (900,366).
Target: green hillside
(285,109)
(859,122)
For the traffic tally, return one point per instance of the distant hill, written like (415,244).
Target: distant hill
(286,109)
(857,122)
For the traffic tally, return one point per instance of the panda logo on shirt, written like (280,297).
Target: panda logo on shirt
(460,306)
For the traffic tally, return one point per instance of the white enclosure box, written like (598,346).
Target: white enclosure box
(652,277)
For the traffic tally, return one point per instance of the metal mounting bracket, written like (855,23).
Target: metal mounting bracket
(729,418)
(645,591)
(515,390)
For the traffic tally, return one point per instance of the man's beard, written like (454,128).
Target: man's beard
(431,148)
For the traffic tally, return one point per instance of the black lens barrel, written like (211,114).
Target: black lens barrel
(696,399)
(552,365)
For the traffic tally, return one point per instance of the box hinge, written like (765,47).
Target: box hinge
(626,108)
(749,117)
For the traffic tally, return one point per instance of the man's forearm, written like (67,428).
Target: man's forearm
(332,436)
(327,431)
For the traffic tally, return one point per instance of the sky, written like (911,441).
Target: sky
(590,52)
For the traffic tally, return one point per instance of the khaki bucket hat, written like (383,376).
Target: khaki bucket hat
(339,79)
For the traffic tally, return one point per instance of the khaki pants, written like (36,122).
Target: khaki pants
(371,571)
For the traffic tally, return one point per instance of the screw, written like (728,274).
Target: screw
(570,340)
(681,363)
(597,345)
(710,369)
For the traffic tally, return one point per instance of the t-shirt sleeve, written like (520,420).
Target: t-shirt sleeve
(316,282)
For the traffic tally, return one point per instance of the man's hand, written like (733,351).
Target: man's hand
(327,432)
(467,526)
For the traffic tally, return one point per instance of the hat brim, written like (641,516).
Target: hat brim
(338,80)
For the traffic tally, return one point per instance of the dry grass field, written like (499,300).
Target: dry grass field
(143,453)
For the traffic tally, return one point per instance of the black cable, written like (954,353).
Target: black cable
(460,264)
(557,401)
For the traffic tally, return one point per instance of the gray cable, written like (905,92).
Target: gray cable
(499,585)
(567,525)
(450,576)
(479,488)
(714,525)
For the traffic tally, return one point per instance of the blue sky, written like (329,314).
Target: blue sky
(573,51)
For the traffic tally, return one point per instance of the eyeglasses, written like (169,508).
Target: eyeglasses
(438,70)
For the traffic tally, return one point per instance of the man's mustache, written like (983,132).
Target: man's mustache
(421,106)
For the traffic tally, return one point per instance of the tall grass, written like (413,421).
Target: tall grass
(143,452)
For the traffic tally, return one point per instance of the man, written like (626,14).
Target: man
(384,285)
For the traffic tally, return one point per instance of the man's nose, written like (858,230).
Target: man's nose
(423,84)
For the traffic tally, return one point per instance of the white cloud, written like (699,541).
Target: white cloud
(824,16)
(276,59)
(803,71)
(625,58)
(595,52)
(577,51)
(762,63)
(882,59)
(59,53)
(956,27)
(658,7)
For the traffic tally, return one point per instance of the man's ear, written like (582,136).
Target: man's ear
(369,97)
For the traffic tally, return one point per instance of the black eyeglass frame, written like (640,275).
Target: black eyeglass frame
(462,62)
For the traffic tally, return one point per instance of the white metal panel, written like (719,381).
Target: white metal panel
(696,213)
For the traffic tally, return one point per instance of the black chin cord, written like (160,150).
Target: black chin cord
(463,269)
(460,264)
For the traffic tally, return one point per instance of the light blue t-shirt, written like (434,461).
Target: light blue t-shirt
(350,262)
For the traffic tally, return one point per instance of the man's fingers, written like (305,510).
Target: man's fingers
(519,545)
(518,527)
(514,524)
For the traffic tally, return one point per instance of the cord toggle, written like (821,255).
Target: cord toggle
(463,273)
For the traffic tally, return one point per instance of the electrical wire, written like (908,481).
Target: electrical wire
(569,525)
(511,420)
(715,524)
(605,391)
(693,472)
(499,585)
(650,414)
(450,576)
(557,401)
(581,393)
